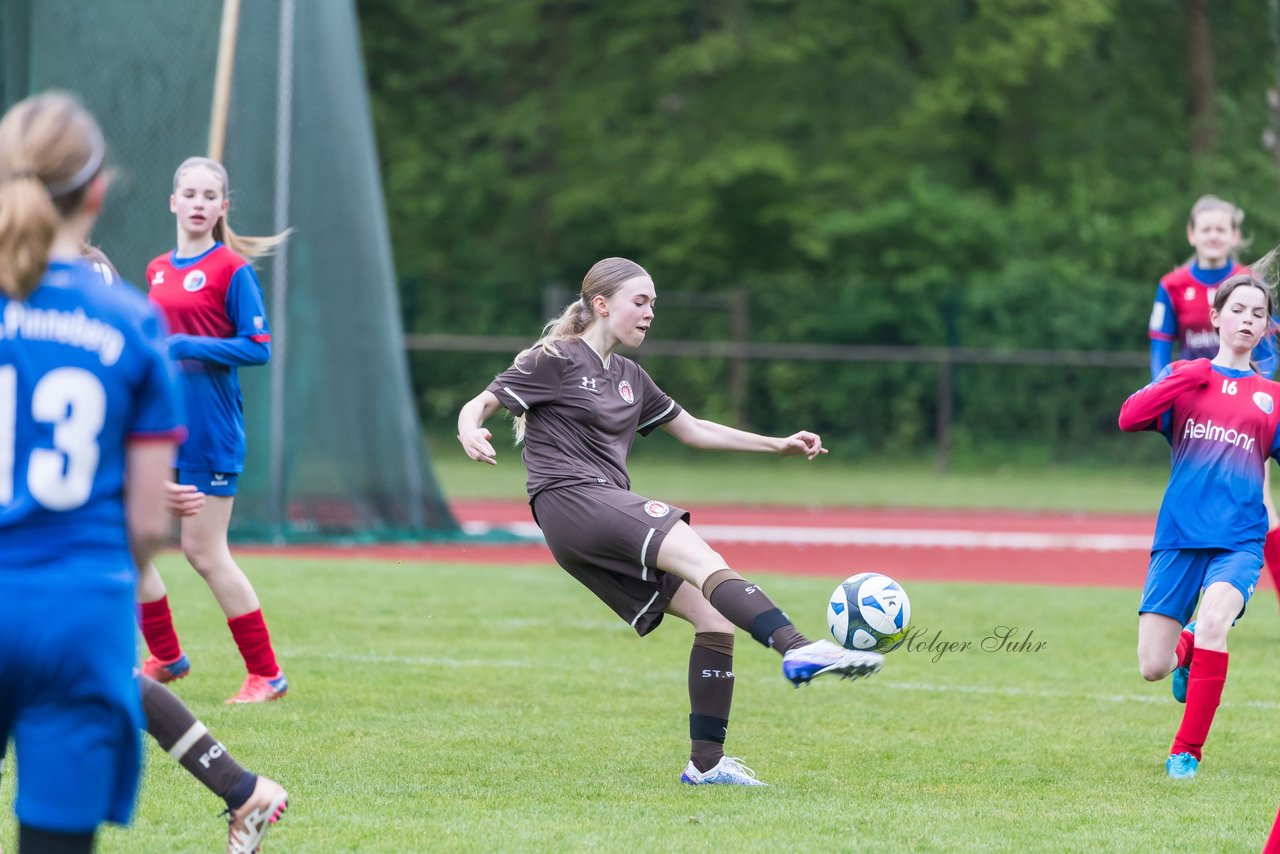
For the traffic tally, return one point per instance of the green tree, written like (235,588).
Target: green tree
(981,172)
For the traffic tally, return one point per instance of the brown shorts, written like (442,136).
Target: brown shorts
(608,539)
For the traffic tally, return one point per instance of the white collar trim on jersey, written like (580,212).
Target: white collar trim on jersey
(604,360)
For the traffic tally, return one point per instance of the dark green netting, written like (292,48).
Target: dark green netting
(334,443)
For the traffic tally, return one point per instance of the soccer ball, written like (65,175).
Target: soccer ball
(869,611)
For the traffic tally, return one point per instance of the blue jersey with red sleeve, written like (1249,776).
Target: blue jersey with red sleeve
(213,303)
(83,371)
(1222,425)
(1180,314)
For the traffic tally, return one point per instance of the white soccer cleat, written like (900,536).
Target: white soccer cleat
(250,823)
(803,664)
(727,772)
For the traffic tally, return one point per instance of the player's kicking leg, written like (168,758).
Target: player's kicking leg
(744,604)
(253,802)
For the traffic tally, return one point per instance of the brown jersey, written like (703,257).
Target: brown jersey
(581,414)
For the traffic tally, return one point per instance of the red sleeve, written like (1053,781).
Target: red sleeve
(1145,406)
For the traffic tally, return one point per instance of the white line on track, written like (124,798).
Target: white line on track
(903,537)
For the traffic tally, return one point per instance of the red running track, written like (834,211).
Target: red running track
(1108,567)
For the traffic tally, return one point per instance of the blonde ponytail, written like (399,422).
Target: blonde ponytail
(245,246)
(28,223)
(571,323)
(50,150)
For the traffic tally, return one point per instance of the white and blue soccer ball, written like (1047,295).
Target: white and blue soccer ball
(869,611)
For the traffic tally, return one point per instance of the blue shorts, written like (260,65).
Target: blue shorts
(210,482)
(1176,577)
(68,697)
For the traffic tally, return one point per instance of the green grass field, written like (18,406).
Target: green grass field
(449,708)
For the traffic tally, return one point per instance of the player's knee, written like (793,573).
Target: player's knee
(1211,631)
(1153,671)
(1155,665)
(203,556)
(712,620)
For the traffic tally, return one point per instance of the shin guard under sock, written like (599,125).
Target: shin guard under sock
(187,740)
(747,607)
(1204,692)
(710,696)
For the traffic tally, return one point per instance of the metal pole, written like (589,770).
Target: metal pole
(946,394)
(222,79)
(280,268)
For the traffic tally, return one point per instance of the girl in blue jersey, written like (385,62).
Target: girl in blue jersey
(1222,420)
(212,299)
(253,802)
(89,421)
(1180,313)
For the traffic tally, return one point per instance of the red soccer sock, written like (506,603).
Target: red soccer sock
(1273,841)
(1186,645)
(1271,556)
(250,632)
(1204,692)
(156,623)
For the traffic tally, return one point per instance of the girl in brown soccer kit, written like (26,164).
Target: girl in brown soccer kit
(578,406)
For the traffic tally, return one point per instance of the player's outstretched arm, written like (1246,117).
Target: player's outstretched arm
(471,430)
(1145,406)
(712,436)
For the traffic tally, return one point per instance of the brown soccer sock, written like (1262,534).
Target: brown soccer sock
(745,605)
(183,737)
(710,696)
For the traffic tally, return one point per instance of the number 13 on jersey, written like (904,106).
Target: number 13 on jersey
(73,401)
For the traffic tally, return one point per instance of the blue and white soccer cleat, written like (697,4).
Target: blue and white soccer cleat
(1182,674)
(803,664)
(727,772)
(1181,766)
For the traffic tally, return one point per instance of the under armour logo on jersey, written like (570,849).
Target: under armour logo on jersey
(158,278)
(589,383)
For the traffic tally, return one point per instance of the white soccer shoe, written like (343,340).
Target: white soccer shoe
(803,664)
(727,772)
(250,823)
